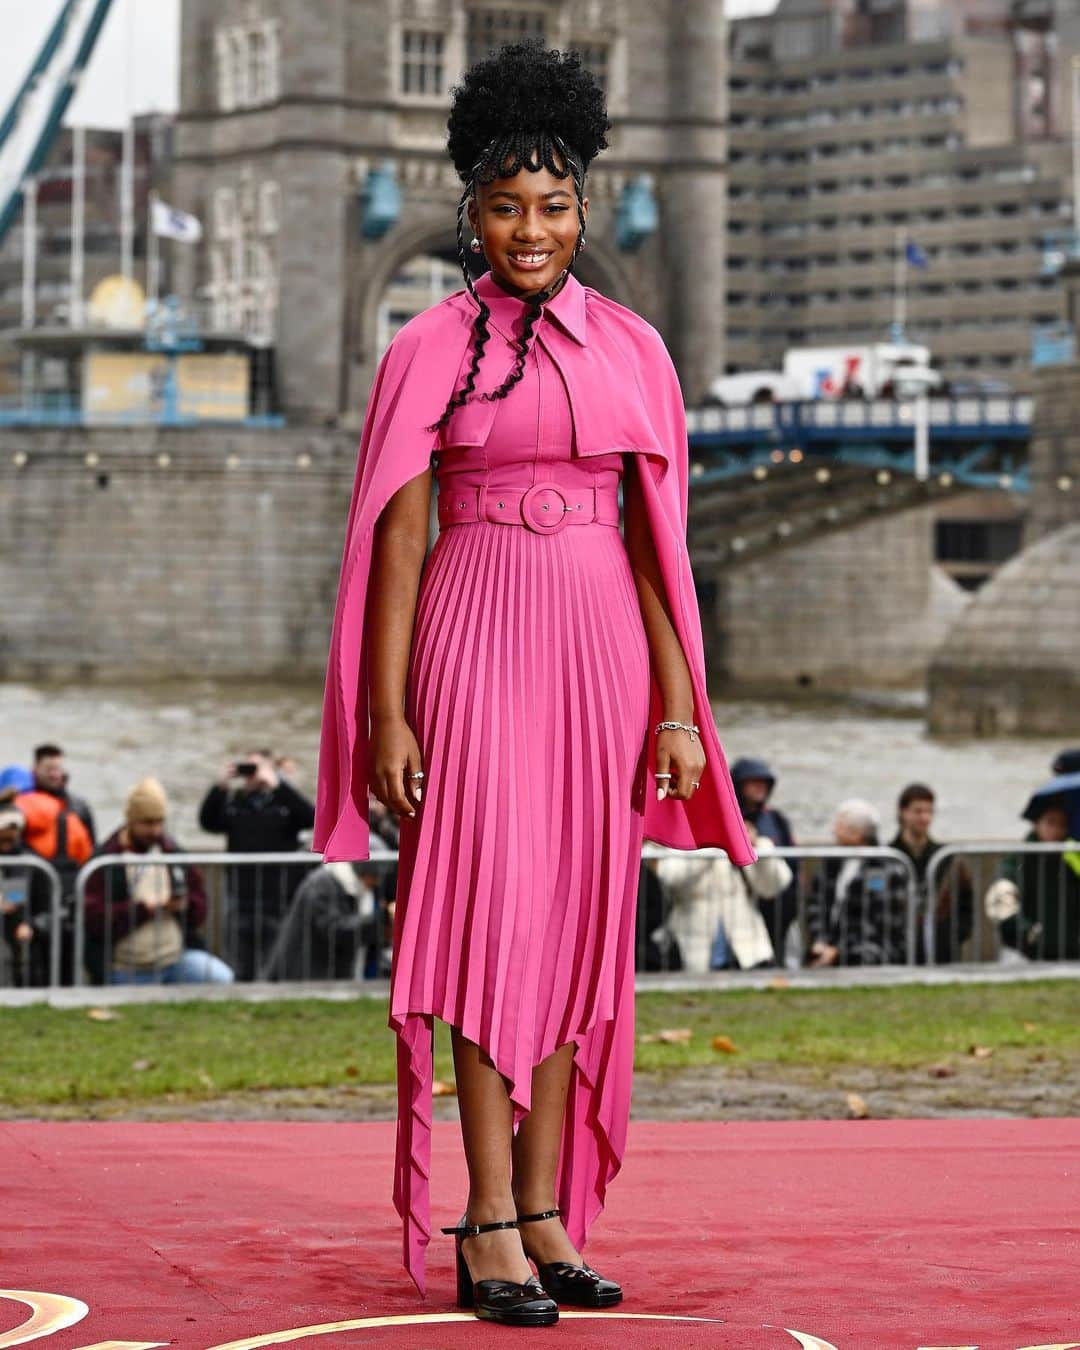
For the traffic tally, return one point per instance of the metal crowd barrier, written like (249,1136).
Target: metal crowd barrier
(20,961)
(864,903)
(252,903)
(975,918)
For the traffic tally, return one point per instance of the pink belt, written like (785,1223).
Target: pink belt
(544,508)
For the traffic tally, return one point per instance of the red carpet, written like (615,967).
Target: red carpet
(858,1235)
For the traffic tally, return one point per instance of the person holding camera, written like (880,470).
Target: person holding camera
(259,811)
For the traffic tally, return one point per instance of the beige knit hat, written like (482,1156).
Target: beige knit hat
(146,801)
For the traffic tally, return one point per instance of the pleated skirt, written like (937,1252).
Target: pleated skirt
(528,692)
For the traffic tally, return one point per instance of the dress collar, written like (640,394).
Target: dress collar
(567,307)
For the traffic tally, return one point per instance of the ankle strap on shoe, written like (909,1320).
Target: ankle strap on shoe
(471,1229)
(531,1218)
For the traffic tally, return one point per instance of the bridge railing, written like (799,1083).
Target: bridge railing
(1005,414)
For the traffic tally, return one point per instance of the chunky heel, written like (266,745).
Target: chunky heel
(579,1286)
(519,1305)
(464,1279)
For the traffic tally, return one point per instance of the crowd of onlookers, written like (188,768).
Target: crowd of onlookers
(855,909)
(148,920)
(145,922)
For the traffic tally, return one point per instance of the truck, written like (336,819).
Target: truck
(872,370)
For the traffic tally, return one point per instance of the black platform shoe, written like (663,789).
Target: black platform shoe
(580,1286)
(517,1305)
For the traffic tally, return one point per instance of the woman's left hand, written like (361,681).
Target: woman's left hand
(683,758)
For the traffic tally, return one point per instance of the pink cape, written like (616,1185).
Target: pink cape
(625,396)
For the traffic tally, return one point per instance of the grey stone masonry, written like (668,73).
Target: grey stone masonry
(174,553)
(1012,663)
(857,608)
(1055,451)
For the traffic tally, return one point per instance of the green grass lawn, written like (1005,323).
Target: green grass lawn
(201,1050)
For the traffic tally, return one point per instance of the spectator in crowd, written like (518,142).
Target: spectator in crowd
(714,916)
(330,926)
(1066,761)
(149,913)
(754,785)
(51,775)
(259,811)
(1036,897)
(954,904)
(59,825)
(60,829)
(25,904)
(856,909)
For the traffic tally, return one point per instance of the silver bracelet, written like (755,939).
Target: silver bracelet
(677,726)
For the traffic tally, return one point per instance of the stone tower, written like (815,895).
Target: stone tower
(288,109)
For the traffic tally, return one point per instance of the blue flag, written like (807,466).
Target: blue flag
(915,256)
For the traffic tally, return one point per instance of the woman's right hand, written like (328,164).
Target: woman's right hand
(393,755)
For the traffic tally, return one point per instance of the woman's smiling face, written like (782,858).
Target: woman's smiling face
(528,225)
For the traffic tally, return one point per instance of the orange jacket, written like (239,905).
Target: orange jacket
(53,830)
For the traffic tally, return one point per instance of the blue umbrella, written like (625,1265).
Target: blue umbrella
(1066,787)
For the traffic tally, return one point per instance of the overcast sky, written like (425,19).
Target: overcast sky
(113,87)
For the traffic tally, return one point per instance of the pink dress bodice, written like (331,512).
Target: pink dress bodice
(531,439)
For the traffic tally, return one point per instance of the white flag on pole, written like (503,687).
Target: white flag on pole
(175,224)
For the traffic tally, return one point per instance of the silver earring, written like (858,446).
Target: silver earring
(476,245)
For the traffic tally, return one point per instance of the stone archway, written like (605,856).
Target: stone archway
(431,232)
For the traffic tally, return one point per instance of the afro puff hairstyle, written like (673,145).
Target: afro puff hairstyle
(519,91)
(523,107)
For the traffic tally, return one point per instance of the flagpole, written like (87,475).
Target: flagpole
(1075,89)
(153,257)
(127,169)
(78,225)
(900,285)
(29,284)
(29,277)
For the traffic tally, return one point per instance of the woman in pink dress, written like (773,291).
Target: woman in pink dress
(512,693)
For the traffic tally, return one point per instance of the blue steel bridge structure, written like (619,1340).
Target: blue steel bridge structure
(975,442)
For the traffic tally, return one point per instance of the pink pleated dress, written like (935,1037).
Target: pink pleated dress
(528,692)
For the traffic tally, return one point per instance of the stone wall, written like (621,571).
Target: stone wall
(219,558)
(863,607)
(1055,451)
(1012,665)
(192,552)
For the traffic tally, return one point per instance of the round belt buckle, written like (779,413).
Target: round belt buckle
(542,508)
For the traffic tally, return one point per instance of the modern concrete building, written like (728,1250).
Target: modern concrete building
(858,128)
(291,113)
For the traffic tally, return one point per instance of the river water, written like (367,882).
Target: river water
(820,752)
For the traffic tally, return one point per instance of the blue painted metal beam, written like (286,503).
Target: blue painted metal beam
(65,92)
